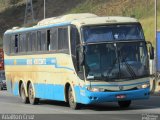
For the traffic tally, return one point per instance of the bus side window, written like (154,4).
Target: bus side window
(75,51)
(43,40)
(75,42)
(25,45)
(74,38)
(33,41)
(29,48)
(16,44)
(20,43)
(12,42)
(38,40)
(54,39)
(48,40)
(63,38)
(6,43)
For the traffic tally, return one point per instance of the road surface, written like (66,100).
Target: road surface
(10,104)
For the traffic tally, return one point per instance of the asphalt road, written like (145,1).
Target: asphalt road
(10,104)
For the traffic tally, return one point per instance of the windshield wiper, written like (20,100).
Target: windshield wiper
(129,68)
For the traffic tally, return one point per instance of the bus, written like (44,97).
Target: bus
(79,59)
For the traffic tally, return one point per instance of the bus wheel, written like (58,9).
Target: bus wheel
(23,95)
(124,104)
(31,95)
(71,100)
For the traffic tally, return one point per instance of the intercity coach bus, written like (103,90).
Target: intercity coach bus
(80,59)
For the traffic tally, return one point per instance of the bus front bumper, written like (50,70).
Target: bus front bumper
(88,97)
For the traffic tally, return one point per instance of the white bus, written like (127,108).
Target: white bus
(79,59)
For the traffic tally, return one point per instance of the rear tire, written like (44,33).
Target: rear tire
(31,95)
(124,104)
(23,96)
(71,100)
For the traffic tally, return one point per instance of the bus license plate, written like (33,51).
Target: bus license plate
(120,96)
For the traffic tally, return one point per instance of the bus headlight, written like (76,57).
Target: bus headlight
(143,86)
(93,89)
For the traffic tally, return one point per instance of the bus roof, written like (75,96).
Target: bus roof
(76,19)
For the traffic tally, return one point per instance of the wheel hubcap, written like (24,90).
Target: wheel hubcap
(23,93)
(31,95)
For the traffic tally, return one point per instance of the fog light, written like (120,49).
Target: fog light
(93,89)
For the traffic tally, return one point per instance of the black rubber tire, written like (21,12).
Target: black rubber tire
(23,96)
(71,101)
(124,104)
(31,95)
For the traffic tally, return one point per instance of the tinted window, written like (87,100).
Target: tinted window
(75,40)
(16,40)
(43,41)
(24,43)
(39,40)
(29,47)
(54,39)
(62,38)
(33,41)
(6,44)
(113,32)
(48,40)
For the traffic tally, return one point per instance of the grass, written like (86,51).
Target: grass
(148,25)
(143,10)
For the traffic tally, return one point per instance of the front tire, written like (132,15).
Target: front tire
(124,104)
(23,96)
(71,100)
(31,95)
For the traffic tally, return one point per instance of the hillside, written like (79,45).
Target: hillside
(12,11)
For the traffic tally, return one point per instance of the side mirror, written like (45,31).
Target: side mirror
(81,56)
(151,50)
(151,53)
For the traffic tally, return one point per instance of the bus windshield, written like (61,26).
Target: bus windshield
(108,61)
(112,32)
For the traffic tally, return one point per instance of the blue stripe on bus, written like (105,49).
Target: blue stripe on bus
(56,92)
(49,61)
(38,28)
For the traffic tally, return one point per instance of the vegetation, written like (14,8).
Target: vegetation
(143,10)
(12,11)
